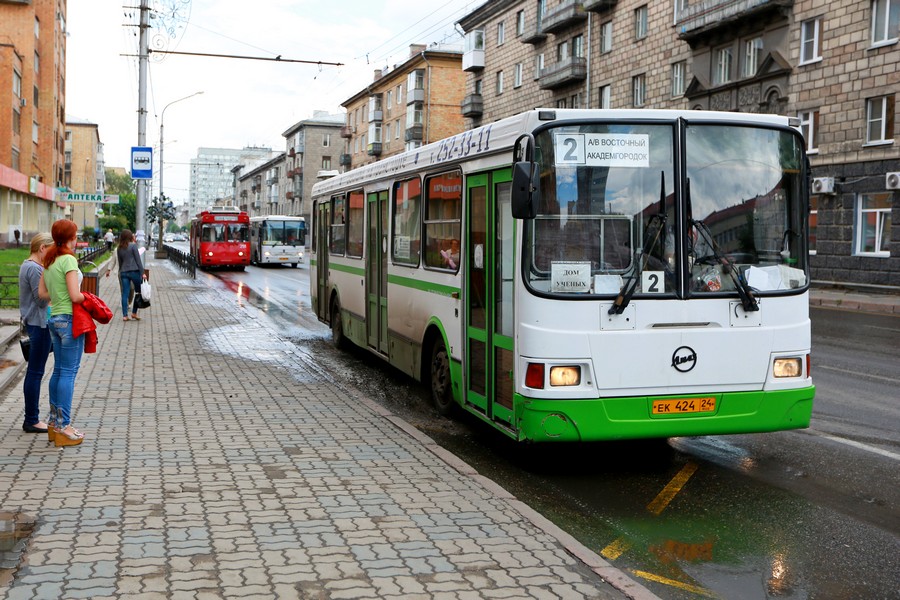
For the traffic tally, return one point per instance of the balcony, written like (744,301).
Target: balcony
(473,60)
(472,106)
(564,14)
(346,131)
(704,20)
(345,160)
(563,73)
(417,95)
(292,152)
(599,5)
(535,35)
(374,149)
(376,116)
(414,133)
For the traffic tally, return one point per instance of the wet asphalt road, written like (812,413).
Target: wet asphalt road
(800,514)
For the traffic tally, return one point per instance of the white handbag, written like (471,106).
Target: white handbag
(145,290)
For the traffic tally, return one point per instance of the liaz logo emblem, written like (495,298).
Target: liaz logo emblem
(684,359)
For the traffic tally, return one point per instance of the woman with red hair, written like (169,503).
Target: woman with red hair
(61,284)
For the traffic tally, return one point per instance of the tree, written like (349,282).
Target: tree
(122,215)
(160,211)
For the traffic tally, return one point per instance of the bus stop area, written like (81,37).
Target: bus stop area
(219,461)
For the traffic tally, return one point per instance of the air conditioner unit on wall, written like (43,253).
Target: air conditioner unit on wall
(892,181)
(823,185)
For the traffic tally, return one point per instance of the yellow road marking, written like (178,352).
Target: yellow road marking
(615,549)
(665,496)
(696,589)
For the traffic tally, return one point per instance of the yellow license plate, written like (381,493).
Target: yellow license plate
(283,258)
(680,406)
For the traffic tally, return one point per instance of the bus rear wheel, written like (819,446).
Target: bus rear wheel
(441,382)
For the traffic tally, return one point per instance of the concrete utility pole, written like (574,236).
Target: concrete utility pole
(140,209)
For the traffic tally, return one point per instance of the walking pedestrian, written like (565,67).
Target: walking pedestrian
(33,310)
(110,237)
(61,285)
(131,272)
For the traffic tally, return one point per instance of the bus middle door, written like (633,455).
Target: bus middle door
(376,271)
(321,242)
(489,268)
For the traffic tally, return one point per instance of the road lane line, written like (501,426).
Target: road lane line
(857,373)
(615,549)
(696,589)
(858,445)
(665,496)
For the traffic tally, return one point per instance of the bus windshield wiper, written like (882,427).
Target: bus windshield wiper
(656,225)
(748,301)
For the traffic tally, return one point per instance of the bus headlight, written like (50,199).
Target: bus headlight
(240,253)
(787,367)
(562,376)
(267,253)
(210,253)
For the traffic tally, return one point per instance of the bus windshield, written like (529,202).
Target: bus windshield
(224,232)
(290,233)
(609,204)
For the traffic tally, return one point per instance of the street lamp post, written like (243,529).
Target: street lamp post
(160,253)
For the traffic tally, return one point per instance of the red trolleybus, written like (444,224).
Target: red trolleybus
(220,237)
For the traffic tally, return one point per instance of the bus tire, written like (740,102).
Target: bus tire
(338,340)
(440,380)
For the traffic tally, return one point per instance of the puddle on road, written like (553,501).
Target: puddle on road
(16,529)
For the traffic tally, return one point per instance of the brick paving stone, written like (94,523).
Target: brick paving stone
(300,490)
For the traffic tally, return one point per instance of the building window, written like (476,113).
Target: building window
(538,66)
(575,101)
(561,103)
(37,62)
(517,77)
(813,222)
(34,132)
(478,85)
(37,28)
(326,160)
(578,46)
(640,22)
(606,37)
(879,119)
(501,36)
(873,224)
(407,234)
(810,41)
(399,95)
(679,71)
(604,96)
(638,90)
(885,21)
(722,73)
(414,114)
(680,7)
(752,52)
(562,51)
(809,127)
(387,104)
(415,80)
(17,122)
(499,82)
(397,129)
(17,84)
(326,140)
(520,23)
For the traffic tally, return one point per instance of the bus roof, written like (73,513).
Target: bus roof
(500,136)
(276,218)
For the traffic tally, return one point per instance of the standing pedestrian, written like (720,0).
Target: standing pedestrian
(131,272)
(110,237)
(61,285)
(33,310)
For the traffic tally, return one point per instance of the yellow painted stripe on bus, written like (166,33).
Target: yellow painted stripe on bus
(616,549)
(665,496)
(694,589)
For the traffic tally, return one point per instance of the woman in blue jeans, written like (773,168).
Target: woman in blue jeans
(33,311)
(61,285)
(131,272)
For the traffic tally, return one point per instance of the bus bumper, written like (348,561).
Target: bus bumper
(582,420)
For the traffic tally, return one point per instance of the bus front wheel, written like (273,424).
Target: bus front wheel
(337,327)
(441,382)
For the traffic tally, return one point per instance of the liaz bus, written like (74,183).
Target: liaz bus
(277,239)
(220,237)
(583,274)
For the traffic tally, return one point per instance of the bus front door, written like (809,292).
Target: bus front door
(321,247)
(489,272)
(376,271)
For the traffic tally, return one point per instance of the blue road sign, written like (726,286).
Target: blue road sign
(141,162)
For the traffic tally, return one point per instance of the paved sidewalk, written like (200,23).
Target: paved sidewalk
(219,462)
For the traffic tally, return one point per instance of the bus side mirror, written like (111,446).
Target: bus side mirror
(526,194)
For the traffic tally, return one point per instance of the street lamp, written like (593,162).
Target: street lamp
(162,116)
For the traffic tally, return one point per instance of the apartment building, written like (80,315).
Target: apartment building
(32,113)
(413,103)
(85,171)
(831,64)
(212,180)
(259,188)
(311,145)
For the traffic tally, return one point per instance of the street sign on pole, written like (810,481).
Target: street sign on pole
(141,162)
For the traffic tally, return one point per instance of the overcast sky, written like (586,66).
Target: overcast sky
(245,102)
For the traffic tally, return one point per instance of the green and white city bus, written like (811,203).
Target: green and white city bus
(583,274)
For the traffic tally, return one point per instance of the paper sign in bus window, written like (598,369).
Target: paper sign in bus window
(603,150)
(401,246)
(570,277)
